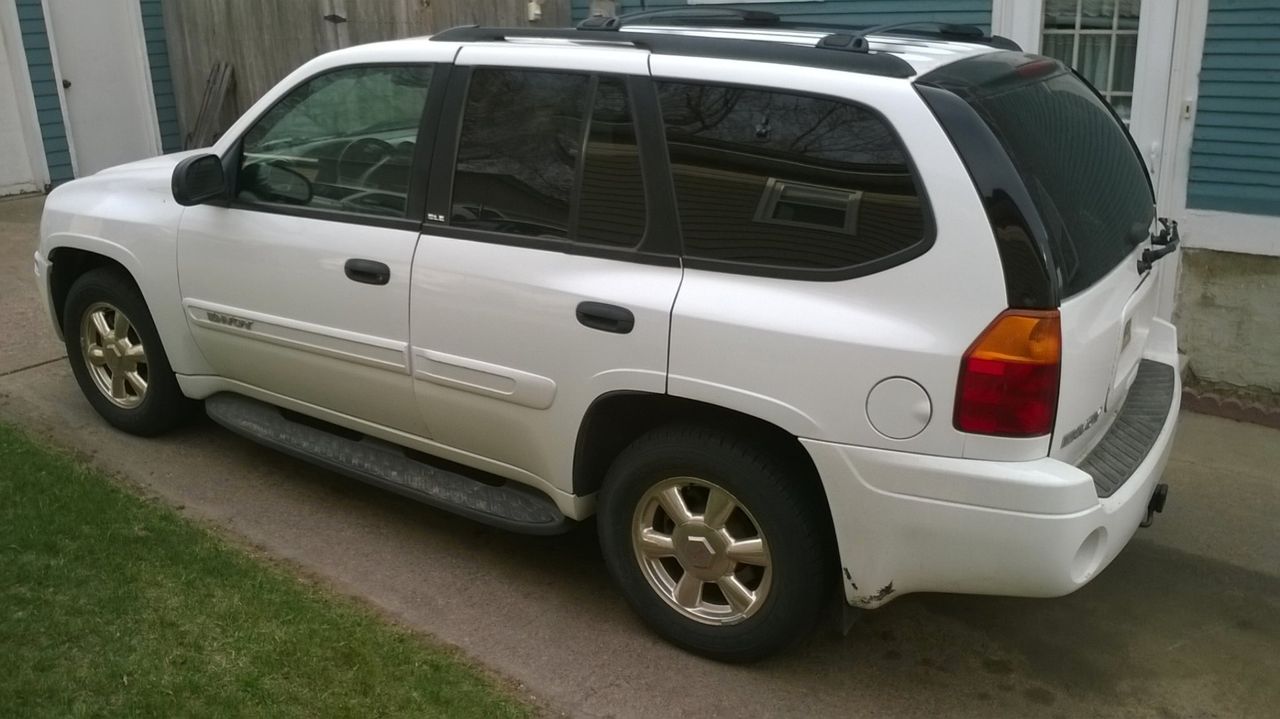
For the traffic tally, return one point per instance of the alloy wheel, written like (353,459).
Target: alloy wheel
(702,551)
(114,354)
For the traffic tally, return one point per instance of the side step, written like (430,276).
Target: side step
(507,505)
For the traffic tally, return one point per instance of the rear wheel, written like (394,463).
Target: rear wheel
(720,547)
(116,356)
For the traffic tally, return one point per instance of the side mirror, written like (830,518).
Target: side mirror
(199,179)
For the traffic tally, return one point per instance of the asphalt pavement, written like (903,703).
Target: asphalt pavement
(1185,623)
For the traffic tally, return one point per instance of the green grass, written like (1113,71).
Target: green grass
(112,605)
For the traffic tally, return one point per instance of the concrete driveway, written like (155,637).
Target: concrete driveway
(1186,622)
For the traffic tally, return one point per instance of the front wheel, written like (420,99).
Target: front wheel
(116,356)
(721,548)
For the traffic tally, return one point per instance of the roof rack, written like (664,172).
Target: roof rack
(820,56)
(942,30)
(686,16)
(845,37)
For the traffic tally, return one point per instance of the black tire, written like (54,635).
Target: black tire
(788,509)
(163,405)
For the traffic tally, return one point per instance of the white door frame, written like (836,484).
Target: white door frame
(23,93)
(142,66)
(1018,20)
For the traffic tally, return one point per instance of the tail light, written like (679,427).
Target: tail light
(1009,376)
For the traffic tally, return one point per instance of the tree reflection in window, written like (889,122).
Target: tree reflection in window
(518,154)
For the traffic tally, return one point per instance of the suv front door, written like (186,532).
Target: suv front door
(301,286)
(545,275)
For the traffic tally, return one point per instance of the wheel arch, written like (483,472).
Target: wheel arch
(68,263)
(752,454)
(616,419)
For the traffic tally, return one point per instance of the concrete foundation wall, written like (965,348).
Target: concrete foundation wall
(1228,317)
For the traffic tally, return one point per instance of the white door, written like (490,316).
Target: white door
(301,286)
(101,60)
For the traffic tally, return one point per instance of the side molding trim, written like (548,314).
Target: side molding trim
(484,378)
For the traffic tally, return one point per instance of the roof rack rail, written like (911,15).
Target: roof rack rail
(683,16)
(925,28)
(884,64)
(843,37)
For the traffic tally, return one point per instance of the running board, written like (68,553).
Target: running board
(504,504)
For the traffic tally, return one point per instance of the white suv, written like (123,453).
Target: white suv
(793,310)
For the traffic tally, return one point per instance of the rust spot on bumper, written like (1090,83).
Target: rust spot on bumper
(876,598)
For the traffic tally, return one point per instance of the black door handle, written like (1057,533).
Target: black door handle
(606,318)
(369,272)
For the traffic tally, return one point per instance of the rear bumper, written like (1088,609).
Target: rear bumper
(910,523)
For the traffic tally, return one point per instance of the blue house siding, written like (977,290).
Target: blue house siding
(161,78)
(1235,154)
(852,12)
(53,132)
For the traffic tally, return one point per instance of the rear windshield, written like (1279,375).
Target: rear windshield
(1086,180)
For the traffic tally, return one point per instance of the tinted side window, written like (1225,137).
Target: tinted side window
(523,167)
(612,204)
(343,141)
(789,181)
(518,153)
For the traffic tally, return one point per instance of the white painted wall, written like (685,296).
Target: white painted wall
(16,174)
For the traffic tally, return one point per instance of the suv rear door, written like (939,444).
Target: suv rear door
(540,281)
(1091,191)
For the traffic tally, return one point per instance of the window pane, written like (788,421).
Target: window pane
(1097,14)
(518,154)
(787,181)
(1103,49)
(1126,62)
(1059,46)
(612,209)
(1123,107)
(1060,14)
(1128,14)
(1094,61)
(344,141)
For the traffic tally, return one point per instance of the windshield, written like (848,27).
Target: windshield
(1087,182)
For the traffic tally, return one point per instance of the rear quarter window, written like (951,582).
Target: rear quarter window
(778,181)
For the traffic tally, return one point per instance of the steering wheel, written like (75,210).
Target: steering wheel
(360,157)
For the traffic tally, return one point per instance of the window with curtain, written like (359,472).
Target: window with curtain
(1099,38)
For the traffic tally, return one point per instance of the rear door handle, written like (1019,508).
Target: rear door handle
(370,272)
(606,318)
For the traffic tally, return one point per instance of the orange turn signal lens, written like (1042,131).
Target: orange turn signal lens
(1009,376)
(1026,336)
